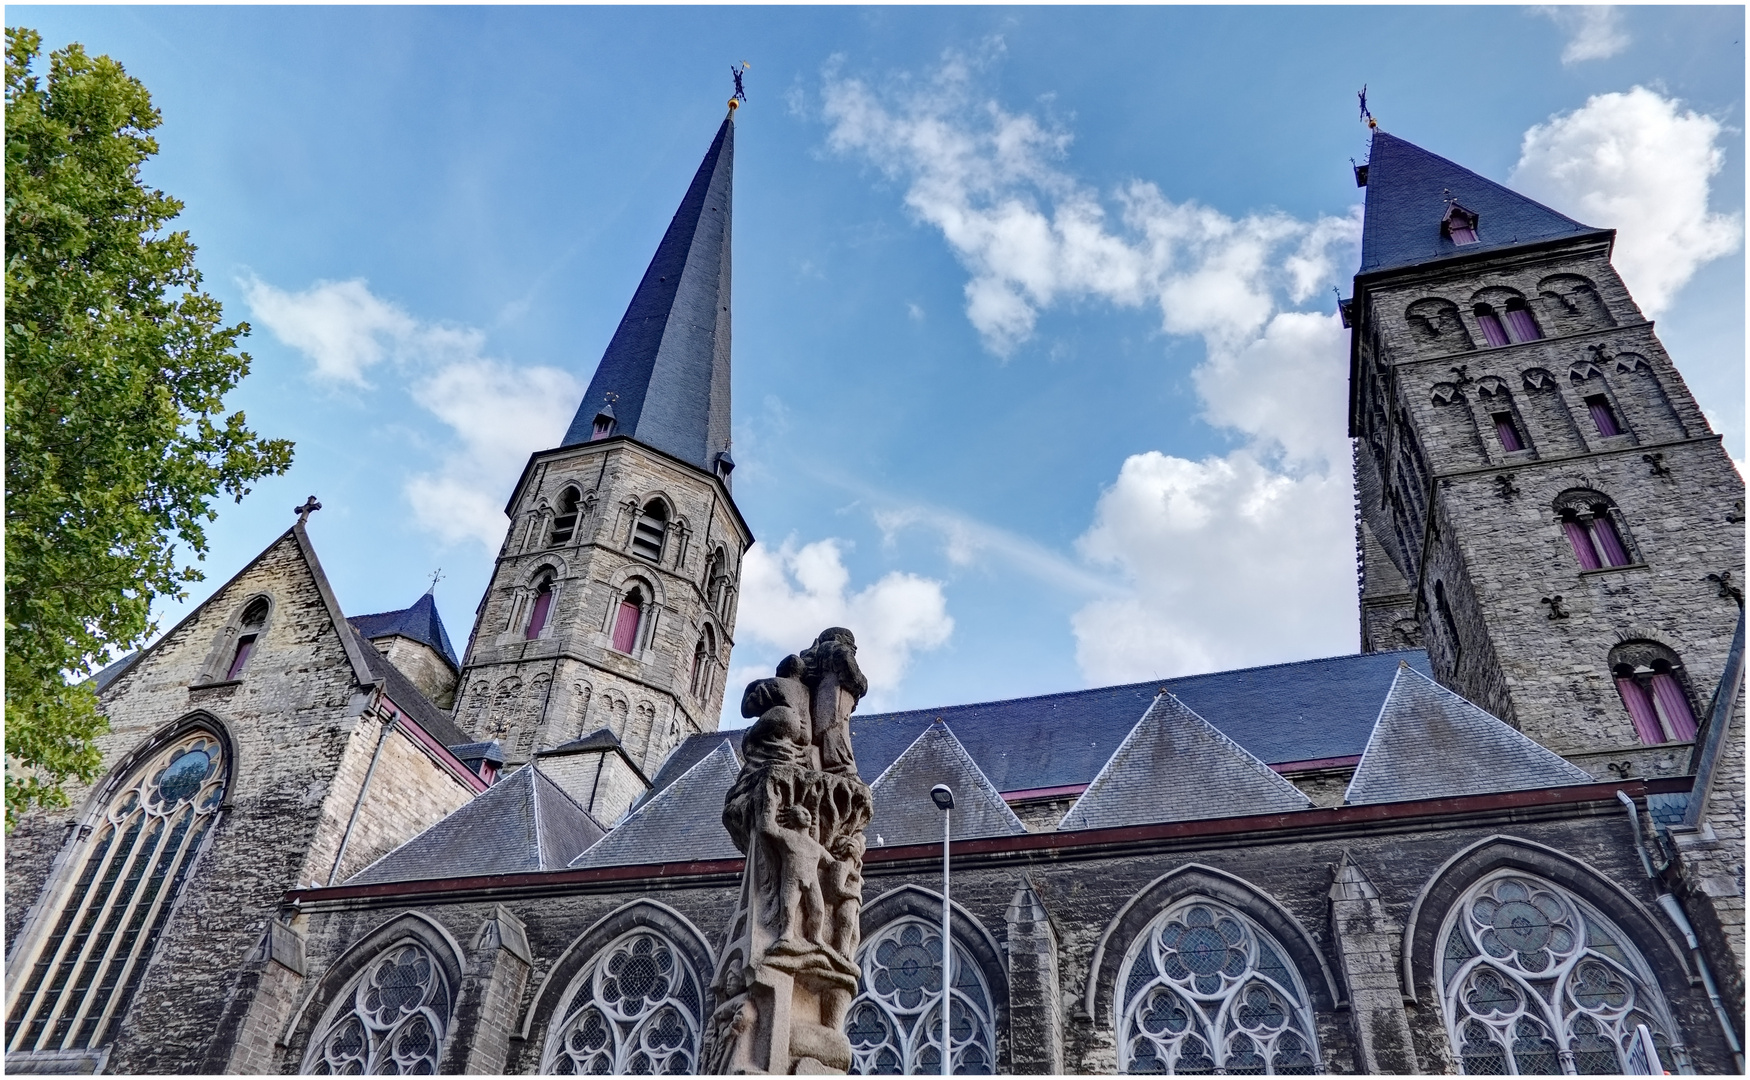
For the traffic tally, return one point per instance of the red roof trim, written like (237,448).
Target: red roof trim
(1043,792)
(1316,763)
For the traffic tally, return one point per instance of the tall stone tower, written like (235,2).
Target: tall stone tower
(604,637)
(1542,503)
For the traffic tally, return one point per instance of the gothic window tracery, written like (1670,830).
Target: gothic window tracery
(1205,989)
(142,848)
(636,1009)
(1537,981)
(1594,529)
(390,1019)
(895,1022)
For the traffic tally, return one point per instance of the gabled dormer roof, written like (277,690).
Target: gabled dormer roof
(1429,743)
(1176,766)
(665,374)
(420,623)
(904,813)
(681,823)
(1410,193)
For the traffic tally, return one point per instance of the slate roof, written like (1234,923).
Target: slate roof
(668,361)
(1304,711)
(1430,743)
(682,823)
(111,672)
(410,698)
(904,813)
(1406,201)
(523,823)
(419,622)
(1175,766)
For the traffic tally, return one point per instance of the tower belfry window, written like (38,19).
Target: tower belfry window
(542,608)
(1648,681)
(650,530)
(1520,322)
(1493,332)
(565,520)
(1589,520)
(626,620)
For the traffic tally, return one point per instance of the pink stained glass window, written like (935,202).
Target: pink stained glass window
(1507,432)
(626,625)
(245,646)
(1673,706)
(543,605)
(1610,543)
(1581,538)
(1520,322)
(1493,332)
(1603,416)
(1640,709)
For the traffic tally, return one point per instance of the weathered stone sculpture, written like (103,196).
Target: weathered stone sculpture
(788,970)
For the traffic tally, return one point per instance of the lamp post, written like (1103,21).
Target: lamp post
(943,796)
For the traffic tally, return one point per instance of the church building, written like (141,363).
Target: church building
(1507,836)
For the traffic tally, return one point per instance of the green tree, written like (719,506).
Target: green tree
(116,364)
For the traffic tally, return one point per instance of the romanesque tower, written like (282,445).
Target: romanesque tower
(604,636)
(1542,503)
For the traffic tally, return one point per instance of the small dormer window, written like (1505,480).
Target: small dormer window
(1459,225)
(605,421)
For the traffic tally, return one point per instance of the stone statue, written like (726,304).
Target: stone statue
(797,811)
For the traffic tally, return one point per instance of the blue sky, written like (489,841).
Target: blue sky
(1037,384)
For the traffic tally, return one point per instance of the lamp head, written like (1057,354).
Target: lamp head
(943,796)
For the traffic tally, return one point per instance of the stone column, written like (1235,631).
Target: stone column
(1367,945)
(1035,1005)
(490,996)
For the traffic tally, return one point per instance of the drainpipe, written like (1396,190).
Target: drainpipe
(1674,911)
(383,737)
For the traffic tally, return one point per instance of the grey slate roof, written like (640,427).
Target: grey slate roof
(904,813)
(419,622)
(111,672)
(1175,766)
(682,823)
(412,700)
(1303,711)
(1406,201)
(668,361)
(601,738)
(523,823)
(1430,743)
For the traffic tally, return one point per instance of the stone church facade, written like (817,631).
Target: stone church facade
(1506,837)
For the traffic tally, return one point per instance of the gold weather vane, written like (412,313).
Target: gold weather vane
(737,99)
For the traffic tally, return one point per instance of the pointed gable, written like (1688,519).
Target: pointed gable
(681,823)
(904,813)
(420,623)
(1407,198)
(667,364)
(523,823)
(1429,743)
(1176,766)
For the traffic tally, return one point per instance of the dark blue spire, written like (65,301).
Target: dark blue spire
(666,371)
(1409,192)
(419,622)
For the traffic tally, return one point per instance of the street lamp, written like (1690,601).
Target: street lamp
(943,796)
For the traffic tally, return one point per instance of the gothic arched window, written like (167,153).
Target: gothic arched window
(1593,528)
(636,1009)
(391,1019)
(1493,332)
(1205,989)
(704,664)
(143,845)
(542,607)
(1520,321)
(1649,680)
(649,530)
(250,627)
(564,518)
(895,1023)
(1537,981)
(627,618)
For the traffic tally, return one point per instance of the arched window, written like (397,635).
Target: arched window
(716,580)
(627,620)
(1520,322)
(649,531)
(142,849)
(895,1023)
(1532,974)
(542,607)
(564,518)
(249,630)
(1593,529)
(1649,679)
(1205,989)
(1603,416)
(391,1019)
(1493,332)
(704,664)
(635,1009)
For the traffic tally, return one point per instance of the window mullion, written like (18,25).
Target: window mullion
(57,944)
(98,951)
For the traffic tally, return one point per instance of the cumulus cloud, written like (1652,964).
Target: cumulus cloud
(1640,163)
(1594,31)
(498,413)
(790,594)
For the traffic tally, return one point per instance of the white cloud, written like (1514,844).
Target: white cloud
(1635,162)
(1594,30)
(790,594)
(498,412)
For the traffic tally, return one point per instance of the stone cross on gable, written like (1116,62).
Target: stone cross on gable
(310,507)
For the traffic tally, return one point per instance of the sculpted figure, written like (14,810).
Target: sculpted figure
(800,899)
(842,880)
(837,684)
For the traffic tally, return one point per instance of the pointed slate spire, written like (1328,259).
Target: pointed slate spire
(904,813)
(682,823)
(664,378)
(1429,743)
(1409,193)
(420,622)
(521,824)
(1176,766)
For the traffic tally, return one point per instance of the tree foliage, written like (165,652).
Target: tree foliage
(116,366)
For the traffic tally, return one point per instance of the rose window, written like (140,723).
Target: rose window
(390,1020)
(895,1023)
(636,1009)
